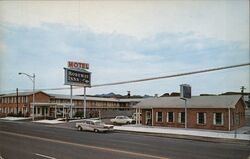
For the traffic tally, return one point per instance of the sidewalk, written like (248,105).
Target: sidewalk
(189,132)
(15,118)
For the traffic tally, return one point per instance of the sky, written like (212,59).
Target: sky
(125,40)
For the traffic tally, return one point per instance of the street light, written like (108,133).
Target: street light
(32,78)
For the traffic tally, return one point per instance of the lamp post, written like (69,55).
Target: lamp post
(32,78)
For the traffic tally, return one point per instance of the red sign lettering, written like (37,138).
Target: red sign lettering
(72,64)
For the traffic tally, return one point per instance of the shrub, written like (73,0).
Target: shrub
(79,114)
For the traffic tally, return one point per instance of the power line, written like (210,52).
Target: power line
(152,78)
(171,76)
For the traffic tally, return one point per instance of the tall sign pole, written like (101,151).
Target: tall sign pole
(185,90)
(84,103)
(71,101)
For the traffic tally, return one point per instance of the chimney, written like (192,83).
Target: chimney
(242,90)
(128,94)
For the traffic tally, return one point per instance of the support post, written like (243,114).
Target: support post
(84,103)
(33,105)
(55,111)
(152,116)
(229,119)
(186,113)
(70,101)
(63,112)
(139,115)
(136,116)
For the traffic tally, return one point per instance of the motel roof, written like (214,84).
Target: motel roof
(224,101)
(62,96)
(22,94)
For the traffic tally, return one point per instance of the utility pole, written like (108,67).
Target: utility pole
(16,100)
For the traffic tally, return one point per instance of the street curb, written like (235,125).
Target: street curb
(189,137)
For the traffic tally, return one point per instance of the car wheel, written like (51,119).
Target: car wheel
(127,122)
(79,128)
(96,131)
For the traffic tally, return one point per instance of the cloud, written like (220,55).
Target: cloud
(117,57)
(215,19)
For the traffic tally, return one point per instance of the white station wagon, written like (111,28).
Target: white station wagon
(93,125)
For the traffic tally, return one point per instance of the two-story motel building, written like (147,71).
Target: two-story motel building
(51,105)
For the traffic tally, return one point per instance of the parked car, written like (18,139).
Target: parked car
(122,120)
(93,125)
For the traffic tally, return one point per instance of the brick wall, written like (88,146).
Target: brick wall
(192,117)
(39,97)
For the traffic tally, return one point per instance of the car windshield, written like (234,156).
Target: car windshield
(99,123)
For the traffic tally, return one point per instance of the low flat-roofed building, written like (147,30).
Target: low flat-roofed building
(203,112)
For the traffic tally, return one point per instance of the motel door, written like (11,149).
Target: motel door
(42,110)
(148,119)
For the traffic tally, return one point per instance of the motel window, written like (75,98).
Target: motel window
(181,117)
(24,110)
(170,117)
(158,116)
(218,119)
(24,99)
(201,118)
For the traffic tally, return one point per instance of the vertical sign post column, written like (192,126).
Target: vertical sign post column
(185,90)
(71,101)
(84,103)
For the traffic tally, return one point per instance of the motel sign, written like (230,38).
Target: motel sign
(77,75)
(78,65)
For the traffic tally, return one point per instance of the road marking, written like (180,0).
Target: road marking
(84,145)
(41,155)
(129,142)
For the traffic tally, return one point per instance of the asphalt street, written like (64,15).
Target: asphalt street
(26,140)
